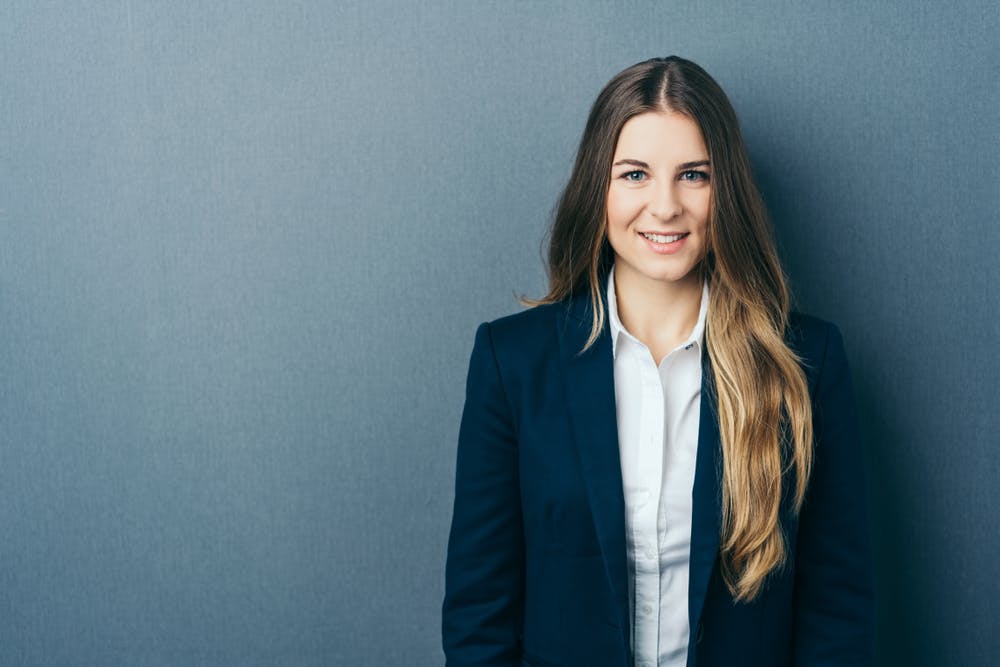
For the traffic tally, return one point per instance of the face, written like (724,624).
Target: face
(659,200)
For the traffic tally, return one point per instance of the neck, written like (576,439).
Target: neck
(661,314)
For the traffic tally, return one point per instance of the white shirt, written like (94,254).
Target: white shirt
(658,408)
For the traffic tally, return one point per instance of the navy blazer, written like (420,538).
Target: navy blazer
(537,565)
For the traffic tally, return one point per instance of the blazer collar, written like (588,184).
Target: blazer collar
(590,391)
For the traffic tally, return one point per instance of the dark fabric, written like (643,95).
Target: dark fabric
(537,572)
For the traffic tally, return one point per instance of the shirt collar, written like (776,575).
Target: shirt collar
(618,329)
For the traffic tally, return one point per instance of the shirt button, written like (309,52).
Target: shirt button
(650,553)
(647,609)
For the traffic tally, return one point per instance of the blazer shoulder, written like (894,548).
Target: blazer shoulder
(811,338)
(525,344)
(519,329)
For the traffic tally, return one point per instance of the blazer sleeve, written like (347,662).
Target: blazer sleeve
(483,603)
(834,592)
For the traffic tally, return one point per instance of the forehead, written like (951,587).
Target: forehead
(661,137)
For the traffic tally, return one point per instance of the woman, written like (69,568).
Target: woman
(659,464)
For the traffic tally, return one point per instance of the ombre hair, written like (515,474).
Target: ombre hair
(765,415)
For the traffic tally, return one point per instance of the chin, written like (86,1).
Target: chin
(673,275)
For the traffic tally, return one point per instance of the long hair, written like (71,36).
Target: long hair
(765,415)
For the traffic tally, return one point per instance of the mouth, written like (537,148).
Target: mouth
(663,239)
(665,244)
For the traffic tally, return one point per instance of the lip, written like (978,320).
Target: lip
(665,248)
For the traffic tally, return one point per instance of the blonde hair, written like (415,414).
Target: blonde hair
(765,414)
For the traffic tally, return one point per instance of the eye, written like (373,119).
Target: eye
(636,176)
(694,176)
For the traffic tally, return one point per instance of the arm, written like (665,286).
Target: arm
(834,610)
(483,602)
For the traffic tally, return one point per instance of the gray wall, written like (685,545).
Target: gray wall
(244,247)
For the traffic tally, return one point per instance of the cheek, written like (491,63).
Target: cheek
(701,209)
(622,209)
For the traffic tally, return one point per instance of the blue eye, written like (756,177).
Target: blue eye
(634,176)
(694,176)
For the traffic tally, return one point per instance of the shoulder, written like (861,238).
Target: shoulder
(532,320)
(524,343)
(806,332)
(817,342)
(530,328)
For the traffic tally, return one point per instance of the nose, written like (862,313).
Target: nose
(664,203)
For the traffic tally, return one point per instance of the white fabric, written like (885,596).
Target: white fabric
(658,409)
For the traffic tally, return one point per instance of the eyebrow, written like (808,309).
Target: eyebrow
(643,165)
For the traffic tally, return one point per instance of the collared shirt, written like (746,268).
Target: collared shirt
(658,409)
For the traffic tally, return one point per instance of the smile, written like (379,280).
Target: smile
(663,238)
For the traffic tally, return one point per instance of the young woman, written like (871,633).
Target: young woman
(659,463)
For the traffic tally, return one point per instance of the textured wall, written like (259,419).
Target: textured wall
(244,247)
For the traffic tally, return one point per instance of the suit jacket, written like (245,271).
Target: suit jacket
(537,565)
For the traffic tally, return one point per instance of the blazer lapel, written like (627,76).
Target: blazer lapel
(590,389)
(591,393)
(706,515)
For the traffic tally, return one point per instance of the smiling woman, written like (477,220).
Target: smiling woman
(657,222)
(659,463)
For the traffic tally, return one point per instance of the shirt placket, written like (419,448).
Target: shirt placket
(647,558)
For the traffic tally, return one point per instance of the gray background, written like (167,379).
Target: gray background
(244,247)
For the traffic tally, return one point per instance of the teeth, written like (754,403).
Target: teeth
(662,238)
